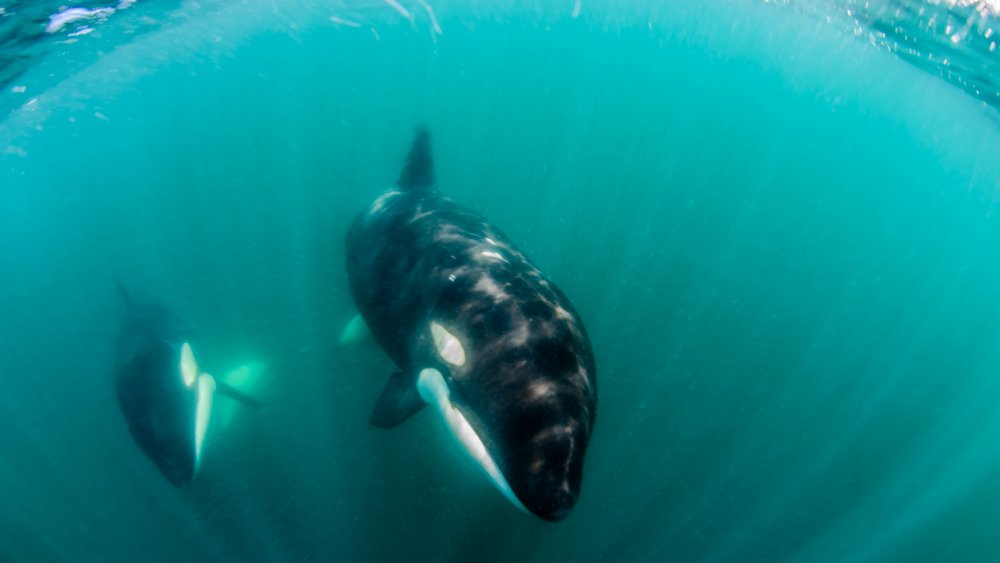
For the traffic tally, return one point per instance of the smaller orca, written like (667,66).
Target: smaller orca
(164,396)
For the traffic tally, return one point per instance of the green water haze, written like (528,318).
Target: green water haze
(782,239)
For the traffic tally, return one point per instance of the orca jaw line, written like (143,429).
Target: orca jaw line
(434,391)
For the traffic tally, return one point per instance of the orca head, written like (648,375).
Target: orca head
(166,402)
(528,429)
(543,460)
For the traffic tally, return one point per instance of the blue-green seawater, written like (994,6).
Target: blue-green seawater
(783,240)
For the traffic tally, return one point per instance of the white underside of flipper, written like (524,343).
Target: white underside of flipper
(248,379)
(206,392)
(434,391)
(356,332)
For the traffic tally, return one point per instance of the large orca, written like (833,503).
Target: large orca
(164,396)
(479,333)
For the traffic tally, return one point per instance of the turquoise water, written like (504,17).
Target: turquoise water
(781,237)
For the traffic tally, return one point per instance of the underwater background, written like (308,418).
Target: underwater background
(777,219)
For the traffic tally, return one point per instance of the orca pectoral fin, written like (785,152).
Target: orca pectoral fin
(231,392)
(355,332)
(432,387)
(248,380)
(399,401)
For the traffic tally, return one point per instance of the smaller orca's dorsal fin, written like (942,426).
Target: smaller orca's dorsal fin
(418,174)
(123,291)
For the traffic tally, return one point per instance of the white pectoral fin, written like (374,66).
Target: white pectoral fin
(203,413)
(355,332)
(434,391)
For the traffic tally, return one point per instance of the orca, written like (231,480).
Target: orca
(164,396)
(477,332)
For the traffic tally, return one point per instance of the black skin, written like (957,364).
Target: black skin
(158,408)
(528,386)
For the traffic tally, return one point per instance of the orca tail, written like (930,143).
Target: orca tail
(418,174)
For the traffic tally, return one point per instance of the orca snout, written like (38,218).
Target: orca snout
(555,506)
(554,473)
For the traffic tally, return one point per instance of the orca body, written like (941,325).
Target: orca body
(480,334)
(165,398)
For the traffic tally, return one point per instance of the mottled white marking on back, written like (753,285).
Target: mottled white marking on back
(490,287)
(519,335)
(563,314)
(381,201)
(434,391)
(491,254)
(541,389)
(420,216)
(188,365)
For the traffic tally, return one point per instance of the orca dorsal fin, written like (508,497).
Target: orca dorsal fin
(418,174)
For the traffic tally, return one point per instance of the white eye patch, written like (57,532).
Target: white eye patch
(447,345)
(189,366)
